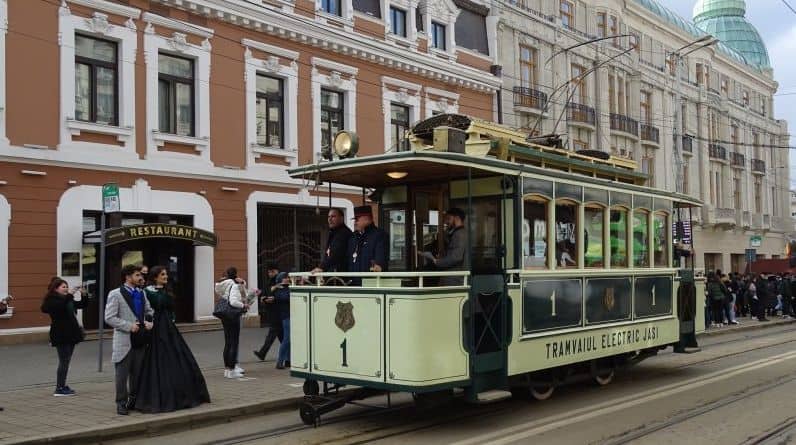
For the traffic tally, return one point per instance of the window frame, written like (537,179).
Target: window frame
(173,81)
(325,7)
(576,205)
(339,109)
(393,11)
(602,24)
(530,64)
(566,10)
(93,64)
(396,125)
(644,215)
(280,98)
(605,215)
(435,36)
(667,241)
(548,204)
(628,237)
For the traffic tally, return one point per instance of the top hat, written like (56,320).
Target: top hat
(363,211)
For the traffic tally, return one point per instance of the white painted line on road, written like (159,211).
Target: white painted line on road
(519,432)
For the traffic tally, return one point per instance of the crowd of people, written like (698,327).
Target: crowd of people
(155,370)
(729,297)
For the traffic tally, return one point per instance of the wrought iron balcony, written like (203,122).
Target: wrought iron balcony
(581,113)
(688,143)
(758,166)
(737,159)
(529,97)
(650,133)
(716,151)
(621,122)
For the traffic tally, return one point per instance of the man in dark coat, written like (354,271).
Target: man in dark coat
(455,247)
(335,257)
(367,248)
(270,312)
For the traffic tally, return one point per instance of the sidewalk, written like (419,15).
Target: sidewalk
(33,415)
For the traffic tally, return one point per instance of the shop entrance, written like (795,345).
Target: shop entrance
(176,255)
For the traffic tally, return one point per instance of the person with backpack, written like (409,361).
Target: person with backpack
(233,289)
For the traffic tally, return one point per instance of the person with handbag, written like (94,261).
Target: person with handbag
(129,313)
(65,332)
(230,308)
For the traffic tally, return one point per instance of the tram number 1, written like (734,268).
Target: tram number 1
(653,295)
(553,304)
(345,352)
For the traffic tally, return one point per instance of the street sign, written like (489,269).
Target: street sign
(751,255)
(755,240)
(110,198)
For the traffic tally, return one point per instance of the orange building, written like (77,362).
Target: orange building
(195,108)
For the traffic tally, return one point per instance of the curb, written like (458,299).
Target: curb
(149,424)
(746,327)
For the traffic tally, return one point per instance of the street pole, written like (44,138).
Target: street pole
(101,290)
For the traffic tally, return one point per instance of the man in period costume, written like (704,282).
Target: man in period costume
(367,247)
(334,257)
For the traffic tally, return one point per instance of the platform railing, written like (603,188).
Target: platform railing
(303,278)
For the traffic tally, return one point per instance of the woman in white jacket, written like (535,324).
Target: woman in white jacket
(233,289)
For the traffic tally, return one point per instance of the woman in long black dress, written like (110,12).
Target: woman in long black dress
(170,377)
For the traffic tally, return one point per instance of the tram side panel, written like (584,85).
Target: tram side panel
(620,315)
(299,331)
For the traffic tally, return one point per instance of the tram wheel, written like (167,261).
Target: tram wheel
(542,392)
(604,378)
(308,414)
(311,387)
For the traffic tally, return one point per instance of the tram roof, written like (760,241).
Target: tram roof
(428,166)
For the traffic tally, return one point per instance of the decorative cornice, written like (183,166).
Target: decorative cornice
(307,32)
(106,6)
(401,84)
(270,49)
(441,93)
(177,25)
(318,62)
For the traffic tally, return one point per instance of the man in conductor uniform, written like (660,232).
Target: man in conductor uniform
(367,247)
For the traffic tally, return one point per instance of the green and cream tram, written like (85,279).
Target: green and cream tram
(569,272)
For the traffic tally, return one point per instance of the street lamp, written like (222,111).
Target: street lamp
(677,59)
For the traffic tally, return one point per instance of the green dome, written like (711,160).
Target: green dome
(726,20)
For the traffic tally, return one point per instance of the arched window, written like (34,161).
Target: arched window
(534,231)
(566,228)
(661,243)
(641,238)
(594,239)
(618,236)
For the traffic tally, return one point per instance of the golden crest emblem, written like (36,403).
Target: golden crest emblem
(344,319)
(608,299)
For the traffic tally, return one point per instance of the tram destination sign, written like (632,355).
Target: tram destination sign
(159,230)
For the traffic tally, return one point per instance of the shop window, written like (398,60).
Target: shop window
(618,233)
(95,80)
(534,232)
(566,218)
(269,111)
(594,222)
(661,240)
(641,239)
(175,95)
(331,115)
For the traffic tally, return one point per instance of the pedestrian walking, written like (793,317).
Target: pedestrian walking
(129,313)
(61,304)
(282,301)
(233,289)
(717,295)
(270,313)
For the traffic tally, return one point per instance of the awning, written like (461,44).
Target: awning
(118,235)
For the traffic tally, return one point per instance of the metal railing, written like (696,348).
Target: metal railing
(688,143)
(758,165)
(650,133)
(620,122)
(716,151)
(529,97)
(581,113)
(737,159)
(372,279)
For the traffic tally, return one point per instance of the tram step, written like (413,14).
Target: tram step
(494,395)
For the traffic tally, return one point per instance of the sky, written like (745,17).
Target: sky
(777,25)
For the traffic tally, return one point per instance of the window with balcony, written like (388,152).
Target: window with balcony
(611,93)
(333,7)
(635,42)
(399,125)
(602,24)
(621,94)
(438,36)
(700,74)
(567,13)
(736,193)
(175,95)
(270,111)
(613,26)
(332,115)
(758,196)
(527,66)
(96,80)
(398,21)
(646,107)
(579,84)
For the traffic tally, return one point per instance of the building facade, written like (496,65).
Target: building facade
(696,117)
(195,108)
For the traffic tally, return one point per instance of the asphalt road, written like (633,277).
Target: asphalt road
(741,388)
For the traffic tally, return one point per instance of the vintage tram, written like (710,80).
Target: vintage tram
(569,272)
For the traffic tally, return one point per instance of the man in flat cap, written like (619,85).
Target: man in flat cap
(367,249)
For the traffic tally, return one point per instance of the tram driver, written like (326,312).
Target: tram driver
(367,247)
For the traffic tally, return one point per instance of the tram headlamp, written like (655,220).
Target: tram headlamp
(346,144)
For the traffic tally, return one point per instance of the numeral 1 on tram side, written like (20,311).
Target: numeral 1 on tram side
(653,295)
(553,303)
(343,347)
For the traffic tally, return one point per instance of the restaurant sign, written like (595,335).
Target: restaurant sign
(158,230)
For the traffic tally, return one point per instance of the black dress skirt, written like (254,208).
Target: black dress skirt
(170,378)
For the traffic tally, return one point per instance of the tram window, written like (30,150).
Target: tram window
(661,240)
(396,231)
(566,234)
(484,222)
(594,223)
(618,230)
(537,186)
(641,257)
(534,233)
